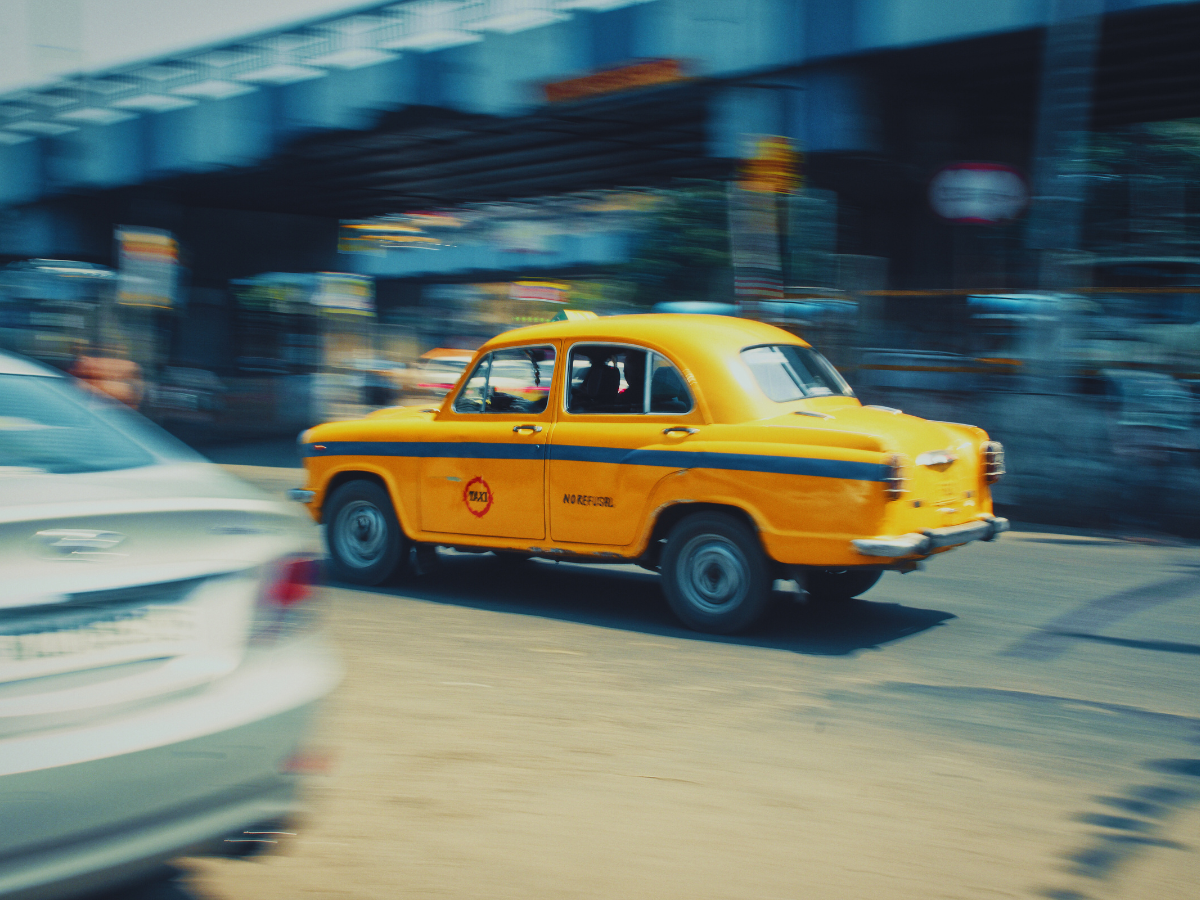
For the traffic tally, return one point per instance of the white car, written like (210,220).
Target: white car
(159,660)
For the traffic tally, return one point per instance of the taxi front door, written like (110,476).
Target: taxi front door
(485,474)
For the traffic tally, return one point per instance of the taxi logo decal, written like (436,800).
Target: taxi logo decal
(477,497)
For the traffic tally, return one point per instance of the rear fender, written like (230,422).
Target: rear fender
(683,493)
(800,520)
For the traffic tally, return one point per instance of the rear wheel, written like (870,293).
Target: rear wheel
(835,585)
(366,544)
(715,574)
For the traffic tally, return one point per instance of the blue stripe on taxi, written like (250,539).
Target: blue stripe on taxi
(675,459)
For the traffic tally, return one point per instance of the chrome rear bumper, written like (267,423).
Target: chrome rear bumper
(920,544)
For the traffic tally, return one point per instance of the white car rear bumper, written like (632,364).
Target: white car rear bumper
(88,807)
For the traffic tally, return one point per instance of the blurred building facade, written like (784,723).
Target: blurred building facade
(988,209)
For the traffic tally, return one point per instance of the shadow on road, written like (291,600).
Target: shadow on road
(169,884)
(1162,646)
(630,599)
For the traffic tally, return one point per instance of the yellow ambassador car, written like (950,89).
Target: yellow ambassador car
(722,452)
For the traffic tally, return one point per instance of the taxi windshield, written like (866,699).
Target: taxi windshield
(791,372)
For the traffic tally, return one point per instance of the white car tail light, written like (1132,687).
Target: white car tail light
(291,581)
(281,610)
(993,461)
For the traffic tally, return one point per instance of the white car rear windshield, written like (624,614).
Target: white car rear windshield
(791,372)
(48,425)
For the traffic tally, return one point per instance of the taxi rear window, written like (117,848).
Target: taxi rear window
(791,372)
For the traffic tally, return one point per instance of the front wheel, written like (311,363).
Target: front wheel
(366,544)
(835,585)
(715,574)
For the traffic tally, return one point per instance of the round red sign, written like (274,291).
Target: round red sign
(477,497)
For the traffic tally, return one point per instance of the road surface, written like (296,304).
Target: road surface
(1022,719)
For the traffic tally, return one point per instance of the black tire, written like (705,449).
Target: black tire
(715,574)
(365,541)
(839,585)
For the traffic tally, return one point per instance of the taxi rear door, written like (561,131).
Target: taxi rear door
(627,412)
(484,474)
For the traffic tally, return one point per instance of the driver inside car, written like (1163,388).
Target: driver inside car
(600,386)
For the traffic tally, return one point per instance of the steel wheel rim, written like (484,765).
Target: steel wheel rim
(715,574)
(360,534)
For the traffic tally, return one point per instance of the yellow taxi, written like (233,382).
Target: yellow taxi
(722,452)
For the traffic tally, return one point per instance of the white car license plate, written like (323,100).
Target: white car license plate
(148,632)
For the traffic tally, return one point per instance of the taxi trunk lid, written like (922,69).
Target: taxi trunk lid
(940,464)
(940,461)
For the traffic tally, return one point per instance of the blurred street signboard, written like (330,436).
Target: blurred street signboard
(148,267)
(541,291)
(622,78)
(774,167)
(754,245)
(421,230)
(276,292)
(529,228)
(523,235)
(342,292)
(380,235)
(978,193)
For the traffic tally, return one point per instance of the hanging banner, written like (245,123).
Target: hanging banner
(649,73)
(147,267)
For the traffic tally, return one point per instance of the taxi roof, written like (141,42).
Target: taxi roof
(682,333)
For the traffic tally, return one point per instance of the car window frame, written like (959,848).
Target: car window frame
(469,372)
(568,355)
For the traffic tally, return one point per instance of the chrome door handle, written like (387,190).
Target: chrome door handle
(534,428)
(680,428)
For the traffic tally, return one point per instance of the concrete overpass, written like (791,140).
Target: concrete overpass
(434,102)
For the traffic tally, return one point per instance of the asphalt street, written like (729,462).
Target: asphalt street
(1019,720)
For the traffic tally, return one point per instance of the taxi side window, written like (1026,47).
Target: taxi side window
(668,392)
(515,380)
(611,379)
(607,378)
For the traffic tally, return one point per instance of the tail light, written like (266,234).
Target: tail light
(993,461)
(281,611)
(893,477)
(290,581)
